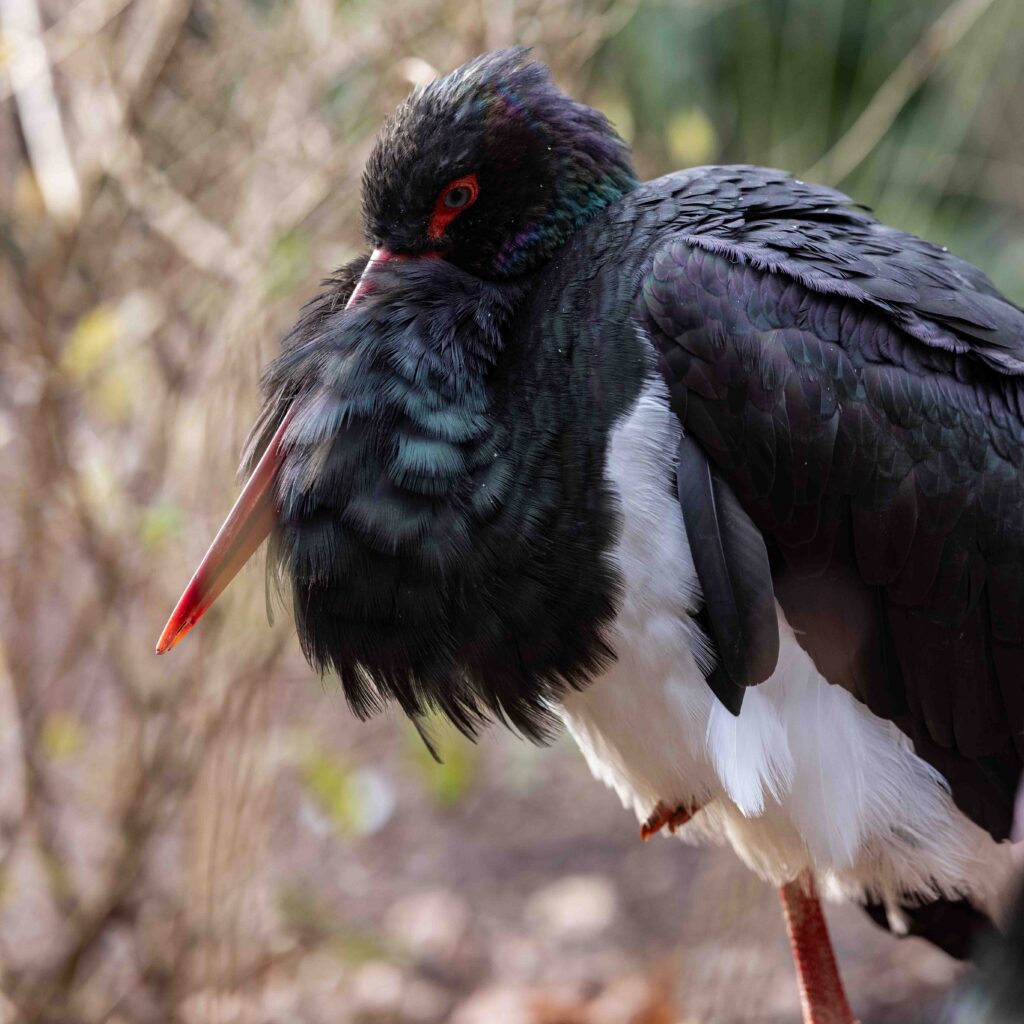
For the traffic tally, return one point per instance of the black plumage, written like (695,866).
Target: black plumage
(860,389)
(441,529)
(732,564)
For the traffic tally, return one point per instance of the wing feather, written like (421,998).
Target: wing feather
(860,393)
(732,565)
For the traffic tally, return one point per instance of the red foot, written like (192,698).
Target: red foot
(821,988)
(662,817)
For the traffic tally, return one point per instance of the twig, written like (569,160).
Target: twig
(895,92)
(39,112)
(199,240)
(67,36)
(600,29)
(150,35)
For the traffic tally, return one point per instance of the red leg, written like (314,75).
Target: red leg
(821,988)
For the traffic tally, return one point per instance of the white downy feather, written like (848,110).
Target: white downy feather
(806,776)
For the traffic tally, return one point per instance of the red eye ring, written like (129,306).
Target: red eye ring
(464,191)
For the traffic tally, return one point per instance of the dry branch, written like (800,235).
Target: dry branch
(861,138)
(39,111)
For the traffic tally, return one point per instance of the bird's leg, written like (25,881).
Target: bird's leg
(821,988)
(663,816)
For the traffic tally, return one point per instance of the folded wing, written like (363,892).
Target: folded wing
(861,393)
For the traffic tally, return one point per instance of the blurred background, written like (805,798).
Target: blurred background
(211,838)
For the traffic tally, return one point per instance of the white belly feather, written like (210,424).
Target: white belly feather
(806,776)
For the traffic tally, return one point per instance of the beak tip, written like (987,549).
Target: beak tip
(248,524)
(174,631)
(177,626)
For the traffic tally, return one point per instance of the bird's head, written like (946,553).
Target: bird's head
(492,167)
(474,182)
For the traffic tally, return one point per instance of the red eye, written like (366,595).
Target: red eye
(454,198)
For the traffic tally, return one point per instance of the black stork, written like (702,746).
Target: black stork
(714,469)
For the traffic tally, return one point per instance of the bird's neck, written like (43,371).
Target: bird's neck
(541,235)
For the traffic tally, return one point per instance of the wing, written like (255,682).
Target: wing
(861,393)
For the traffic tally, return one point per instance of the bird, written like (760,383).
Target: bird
(714,471)
(994,994)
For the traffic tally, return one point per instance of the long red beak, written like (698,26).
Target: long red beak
(250,521)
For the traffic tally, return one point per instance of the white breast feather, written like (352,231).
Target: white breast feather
(805,776)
